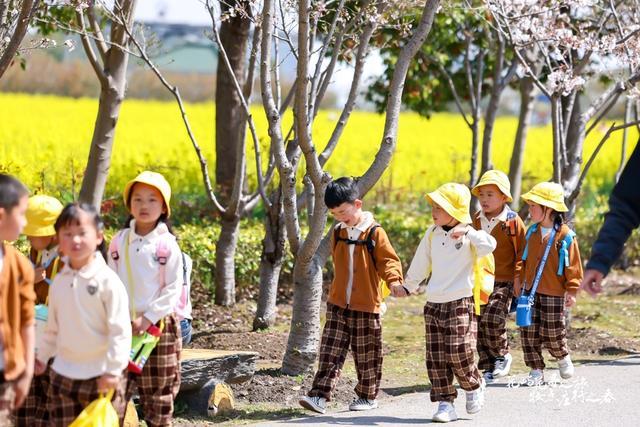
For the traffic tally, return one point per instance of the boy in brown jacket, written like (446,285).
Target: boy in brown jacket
(17,334)
(362,256)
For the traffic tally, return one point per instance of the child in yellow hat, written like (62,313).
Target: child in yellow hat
(149,262)
(549,280)
(42,212)
(494,194)
(447,252)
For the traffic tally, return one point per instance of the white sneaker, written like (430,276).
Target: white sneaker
(488,377)
(314,403)
(362,404)
(475,398)
(502,366)
(535,378)
(445,413)
(566,367)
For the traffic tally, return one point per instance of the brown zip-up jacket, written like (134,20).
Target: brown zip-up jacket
(550,283)
(16,308)
(366,293)
(508,258)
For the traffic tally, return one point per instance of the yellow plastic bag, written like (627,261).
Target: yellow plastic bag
(99,413)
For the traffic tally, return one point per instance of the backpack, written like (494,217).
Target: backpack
(563,250)
(484,269)
(370,244)
(162,254)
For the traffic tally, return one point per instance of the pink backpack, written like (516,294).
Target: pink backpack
(163,252)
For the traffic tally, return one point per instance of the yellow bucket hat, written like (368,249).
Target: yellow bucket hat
(454,199)
(42,212)
(153,179)
(497,178)
(549,194)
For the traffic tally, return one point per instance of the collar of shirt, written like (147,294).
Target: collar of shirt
(161,228)
(502,216)
(365,222)
(89,270)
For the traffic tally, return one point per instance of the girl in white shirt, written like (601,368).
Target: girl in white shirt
(147,258)
(447,253)
(88,330)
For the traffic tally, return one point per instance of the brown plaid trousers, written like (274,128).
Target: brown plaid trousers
(159,382)
(362,332)
(7,396)
(33,412)
(68,397)
(547,329)
(492,326)
(450,330)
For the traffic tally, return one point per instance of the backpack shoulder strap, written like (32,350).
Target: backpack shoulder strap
(370,243)
(163,252)
(532,229)
(114,246)
(563,251)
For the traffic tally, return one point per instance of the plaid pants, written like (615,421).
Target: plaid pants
(68,397)
(159,382)
(492,326)
(7,396)
(450,335)
(547,329)
(362,332)
(33,412)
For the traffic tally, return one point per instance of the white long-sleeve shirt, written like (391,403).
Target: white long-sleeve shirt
(88,329)
(449,261)
(150,298)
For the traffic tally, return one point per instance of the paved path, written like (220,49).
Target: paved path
(603,393)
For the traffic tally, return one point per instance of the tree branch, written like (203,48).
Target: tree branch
(26,12)
(91,56)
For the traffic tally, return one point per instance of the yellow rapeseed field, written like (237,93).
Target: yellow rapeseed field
(45,142)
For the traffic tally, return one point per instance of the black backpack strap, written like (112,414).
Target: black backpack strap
(368,242)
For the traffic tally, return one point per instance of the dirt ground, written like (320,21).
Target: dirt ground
(230,329)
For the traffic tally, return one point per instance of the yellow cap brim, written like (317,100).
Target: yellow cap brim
(39,231)
(559,207)
(129,186)
(476,190)
(437,198)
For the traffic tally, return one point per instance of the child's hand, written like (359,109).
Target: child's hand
(40,274)
(21,389)
(107,382)
(459,230)
(569,300)
(397,290)
(140,325)
(39,367)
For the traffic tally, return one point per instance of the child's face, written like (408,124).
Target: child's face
(537,212)
(40,243)
(440,216)
(79,240)
(349,213)
(147,204)
(13,220)
(491,199)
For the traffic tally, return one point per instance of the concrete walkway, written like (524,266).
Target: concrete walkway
(603,393)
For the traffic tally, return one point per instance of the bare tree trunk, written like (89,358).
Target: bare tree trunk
(475,145)
(225,264)
(113,81)
(628,112)
(230,116)
(26,13)
(273,247)
(556,127)
(517,156)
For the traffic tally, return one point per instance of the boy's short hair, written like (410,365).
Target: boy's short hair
(339,191)
(11,191)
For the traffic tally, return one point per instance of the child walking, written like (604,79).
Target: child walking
(87,333)
(507,228)
(148,260)
(362,255)
(17,298)
(42,212)
(447,252)
(553,283)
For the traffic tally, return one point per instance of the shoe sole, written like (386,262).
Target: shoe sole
(310,407)
(363,409)
(435,420)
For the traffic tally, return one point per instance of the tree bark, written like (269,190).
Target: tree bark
(230,115)
(628,112)
(517,156)
(26,13)
(113,81)
(225,263)
(574,143)
(273,247)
